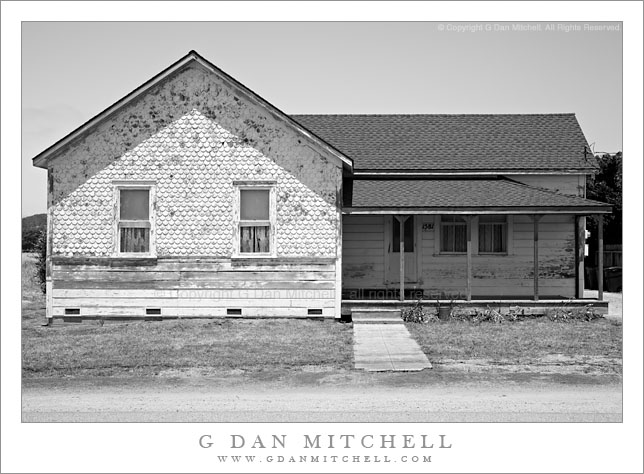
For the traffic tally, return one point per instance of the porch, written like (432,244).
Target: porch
(488,243)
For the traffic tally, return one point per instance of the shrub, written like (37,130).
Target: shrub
(515,312)
(417,314)
(30,239)
(477,315)
(460,313)
(41,262)
(565,313)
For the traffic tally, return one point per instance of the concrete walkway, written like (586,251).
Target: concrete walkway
(386,347)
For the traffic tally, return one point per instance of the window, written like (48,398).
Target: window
(134,219)
(409,234)
(453,234)
(256,223)
(493,234)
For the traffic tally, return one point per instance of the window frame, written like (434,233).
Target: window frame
(240,186)
(440,233)
(149,186)
(506,230)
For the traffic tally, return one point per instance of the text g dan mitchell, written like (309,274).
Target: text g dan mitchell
(346,441)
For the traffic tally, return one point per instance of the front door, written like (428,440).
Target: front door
(392,267)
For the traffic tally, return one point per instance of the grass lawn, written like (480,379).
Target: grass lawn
(149,348)
(519,342)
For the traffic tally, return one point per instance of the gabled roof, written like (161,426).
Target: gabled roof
(191,57)
(442,143)
(492,196)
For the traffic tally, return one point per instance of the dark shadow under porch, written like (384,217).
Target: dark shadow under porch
(365,299)
(413,294)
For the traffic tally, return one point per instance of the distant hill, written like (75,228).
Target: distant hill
(32,226)
(37,221)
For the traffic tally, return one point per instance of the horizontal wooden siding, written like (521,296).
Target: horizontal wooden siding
(195,288)
(363,259)
(511,274)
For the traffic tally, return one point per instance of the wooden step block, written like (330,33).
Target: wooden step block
(377,317)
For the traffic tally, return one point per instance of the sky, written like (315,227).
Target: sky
(71,71)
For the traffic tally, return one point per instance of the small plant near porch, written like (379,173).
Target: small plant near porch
(487,314)
(478,315)
(421,313)
(566,313)
(418,314)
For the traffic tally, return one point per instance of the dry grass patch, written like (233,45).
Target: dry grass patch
(150,348)
(520,342)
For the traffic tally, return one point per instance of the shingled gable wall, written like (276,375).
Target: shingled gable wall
(193,137)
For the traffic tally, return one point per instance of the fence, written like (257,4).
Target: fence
(612,275)
(612,256)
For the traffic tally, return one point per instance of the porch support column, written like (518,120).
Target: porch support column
(401,222)
(468,220)
(535,233)
(600,257)
(580,231)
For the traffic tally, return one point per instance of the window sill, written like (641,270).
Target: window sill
(253,256)
(136,256)
(268,261)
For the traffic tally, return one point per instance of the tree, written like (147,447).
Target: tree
(30,239)
(41,262)
(32,226)
(606,186)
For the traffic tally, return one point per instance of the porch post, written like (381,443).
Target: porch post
(401,221)
(535,233)
(580,239)
(600,257)
(468,220)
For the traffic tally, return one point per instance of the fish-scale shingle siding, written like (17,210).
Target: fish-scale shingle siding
(193,139)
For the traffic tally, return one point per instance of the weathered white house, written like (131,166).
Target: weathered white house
(194,197)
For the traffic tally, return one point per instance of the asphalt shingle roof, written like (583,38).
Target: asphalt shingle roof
(454,142)
(458,193)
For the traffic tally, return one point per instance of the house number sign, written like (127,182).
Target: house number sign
(427,226)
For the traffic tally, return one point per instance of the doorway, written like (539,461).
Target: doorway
(392,250)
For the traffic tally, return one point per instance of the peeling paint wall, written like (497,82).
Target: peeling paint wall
(193,136)
(512,274)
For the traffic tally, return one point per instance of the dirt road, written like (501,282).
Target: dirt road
(332,396)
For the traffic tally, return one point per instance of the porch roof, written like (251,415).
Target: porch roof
(462,196)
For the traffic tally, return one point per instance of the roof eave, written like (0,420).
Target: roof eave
(510,210)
